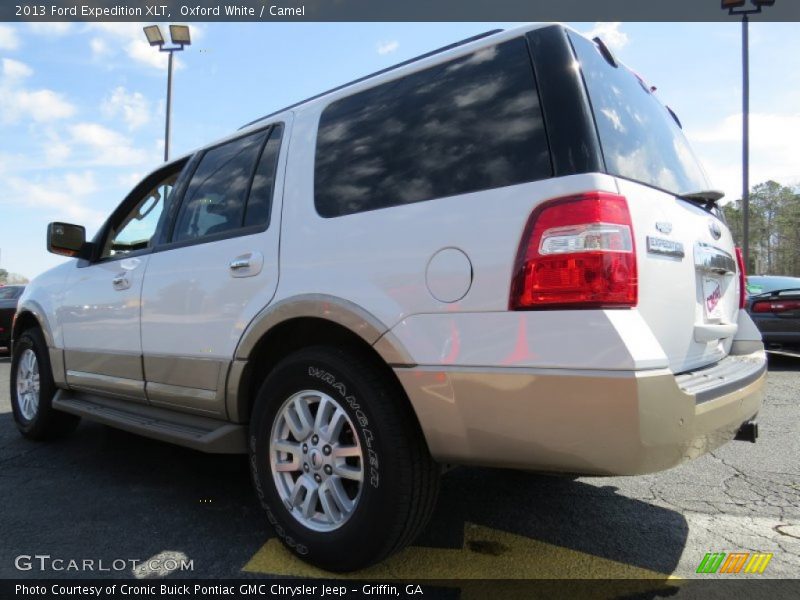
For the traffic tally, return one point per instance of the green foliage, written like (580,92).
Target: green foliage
(774,229)
(7,278)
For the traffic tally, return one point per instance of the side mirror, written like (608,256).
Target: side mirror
(66,239)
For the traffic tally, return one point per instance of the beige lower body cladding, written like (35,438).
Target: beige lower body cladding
(583,422)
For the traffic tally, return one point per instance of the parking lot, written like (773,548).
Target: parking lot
(103,494)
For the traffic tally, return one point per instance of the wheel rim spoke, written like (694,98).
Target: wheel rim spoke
(324,413)
(330,508)
(334,428)
(336,488)
(293,450)
(309,505)
(347,472)
(299,419)
(346,451)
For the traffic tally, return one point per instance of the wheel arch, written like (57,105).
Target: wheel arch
(300,322)
(31,315)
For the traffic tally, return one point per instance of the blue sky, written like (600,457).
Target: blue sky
(82,105)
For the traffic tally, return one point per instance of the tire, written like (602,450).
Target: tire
(37,419)
(400,481)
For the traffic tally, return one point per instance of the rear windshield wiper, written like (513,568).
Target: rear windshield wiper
(706,198)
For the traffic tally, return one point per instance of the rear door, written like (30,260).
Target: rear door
(688,284)
(217,268)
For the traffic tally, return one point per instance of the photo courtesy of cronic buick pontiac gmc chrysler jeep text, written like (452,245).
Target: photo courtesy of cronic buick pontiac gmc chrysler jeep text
(501,253)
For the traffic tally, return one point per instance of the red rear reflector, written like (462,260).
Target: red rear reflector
(775,306)
(742,278)
(577,252)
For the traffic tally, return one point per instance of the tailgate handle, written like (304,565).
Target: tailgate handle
(710,333)
(712,259)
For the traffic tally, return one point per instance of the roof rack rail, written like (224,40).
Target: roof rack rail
(381,72)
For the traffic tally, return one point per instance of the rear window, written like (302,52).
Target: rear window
(763,285)
(467,125)
(639,138)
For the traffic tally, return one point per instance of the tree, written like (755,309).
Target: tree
(7,278)
(774,229)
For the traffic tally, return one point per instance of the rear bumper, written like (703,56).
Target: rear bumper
(583,422)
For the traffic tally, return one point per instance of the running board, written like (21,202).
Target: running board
(192,431)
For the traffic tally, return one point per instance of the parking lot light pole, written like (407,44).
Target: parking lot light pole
(179,34)
(737,8)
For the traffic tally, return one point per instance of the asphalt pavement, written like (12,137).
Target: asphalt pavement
(105,495)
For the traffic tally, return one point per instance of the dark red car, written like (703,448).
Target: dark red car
(9,296)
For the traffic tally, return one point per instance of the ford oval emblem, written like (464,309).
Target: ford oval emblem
(715,229)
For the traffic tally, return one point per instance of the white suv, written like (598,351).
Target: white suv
(500,253)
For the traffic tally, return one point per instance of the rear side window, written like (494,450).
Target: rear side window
(467,125)
(214,202)
(639,138)
(259,204)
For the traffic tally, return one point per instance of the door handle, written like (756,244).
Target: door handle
(246,265)
(121,282)
(241,262)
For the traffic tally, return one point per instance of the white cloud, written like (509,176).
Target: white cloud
(14,69)
(144,53)
(65,195)
(56,150)
(46,105)
(96,135)
(19,102)
(129,38)
(610,34)
(774,152)
(106,146)
(99,47)
(8,38)
(129,180)
(39,105)
(54,29)
(387,47)
(132,107)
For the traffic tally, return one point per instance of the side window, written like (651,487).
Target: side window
(259,204)
(214,202)
(471,124)
(136,229)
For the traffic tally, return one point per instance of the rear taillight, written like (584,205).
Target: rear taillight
(775,306)
(577,252)
(742,278)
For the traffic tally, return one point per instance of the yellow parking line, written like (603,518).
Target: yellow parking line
(487,554)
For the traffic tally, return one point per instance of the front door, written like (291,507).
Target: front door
(217,268)
(100,312)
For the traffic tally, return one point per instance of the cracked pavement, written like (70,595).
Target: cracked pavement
(102,493)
